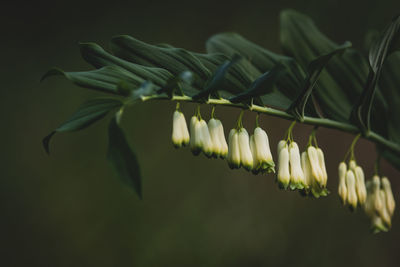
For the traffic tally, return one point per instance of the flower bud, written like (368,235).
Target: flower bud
(351,189)
(206,143)
(283,166)
(321,160)
(342,182)
(360,185)
(177,133)
(390,203)
(352,165)
(233,157)
(296,172)
(213,127)
(246,157)
(315,165)
(195,139)
(281,145)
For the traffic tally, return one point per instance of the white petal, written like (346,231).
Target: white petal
(315,166)
(376,185)
(306,167)
(384,213)
(351,189)
(214,134)
(195,138)
(222,140)
(283,167)
(390,203)
(246,158)
(177,136)
(207,145)
(263,151)
(321,161)
(360,185)
(184,129)
(296,173)
(342,182)
(253,149)
(233,157)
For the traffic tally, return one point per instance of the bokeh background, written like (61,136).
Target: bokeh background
(69,209)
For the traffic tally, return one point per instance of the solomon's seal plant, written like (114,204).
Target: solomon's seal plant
(316,82)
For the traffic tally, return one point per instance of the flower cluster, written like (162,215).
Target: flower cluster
(379,205)
(306,172)
(252,153)
(352,190)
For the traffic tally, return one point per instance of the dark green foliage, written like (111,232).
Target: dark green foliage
(86,115)
(122,158)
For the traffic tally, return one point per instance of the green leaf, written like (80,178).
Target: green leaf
(86,115)
(379,51)
(314,69)
(175,60)
(217,79)
(105,79)
(122,158)
(99,58)
(263,60)
(263,85)
(341,82)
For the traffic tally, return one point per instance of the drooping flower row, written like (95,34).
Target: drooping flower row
(250,152)
(305,172)
(374,196)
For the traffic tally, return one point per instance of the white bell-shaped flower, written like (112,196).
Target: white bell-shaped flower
(262,157)
(377,201)
(222,140)
(324,173)
(390,203)
(306,167)
(315,165)
(233,157)
(213,127)
(206,143)
(246,157)
(283,165)
(296,172)
(195,136)
(384,212)
(177,133)
(360,185)
(342,182)
(351,189)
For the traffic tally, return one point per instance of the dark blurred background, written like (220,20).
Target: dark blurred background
(69,209)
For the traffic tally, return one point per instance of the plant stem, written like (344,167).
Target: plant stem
(327,123)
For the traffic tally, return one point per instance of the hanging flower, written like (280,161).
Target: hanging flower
(180,133)
(246,157)
(352,199)
(205,138)
(233,157)
(342,182)
(360,185)
(311,184)
(296,172)
(195,136)
(220,147)
(390,203)
(283,165)
(262,157)
(378,205)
